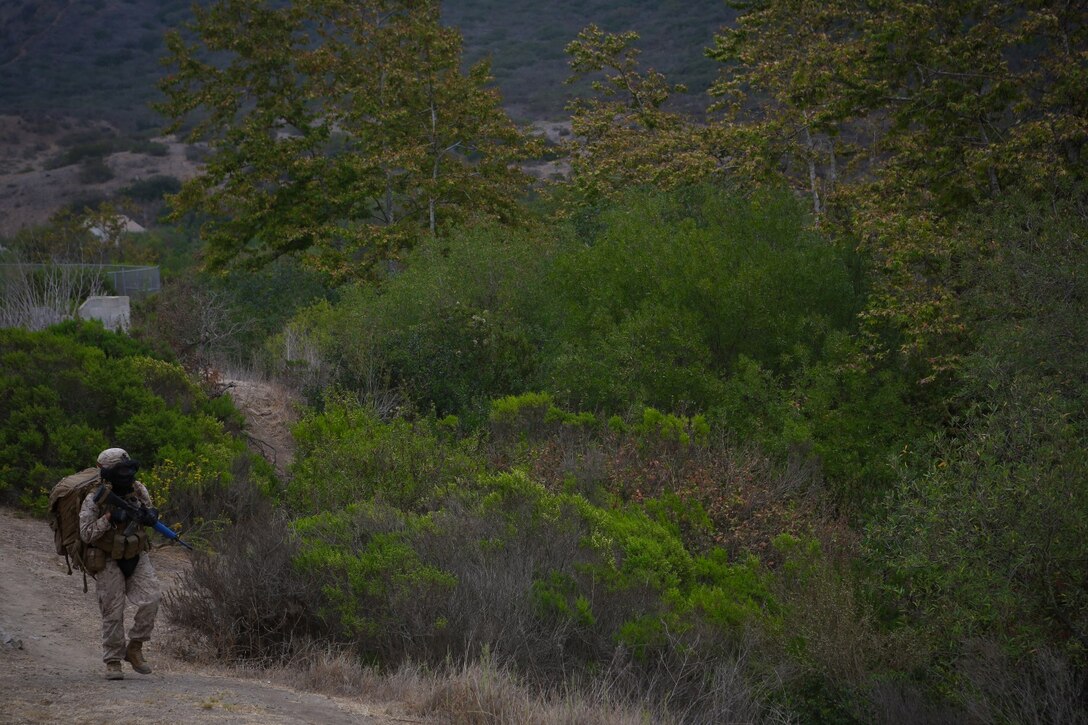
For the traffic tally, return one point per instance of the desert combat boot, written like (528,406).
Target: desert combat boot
(113,670)
(134,656)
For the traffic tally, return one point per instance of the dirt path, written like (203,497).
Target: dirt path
(57,673)
(270,411)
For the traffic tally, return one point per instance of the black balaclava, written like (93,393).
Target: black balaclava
(121,476)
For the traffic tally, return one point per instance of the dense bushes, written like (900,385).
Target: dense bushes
(464,562)
(347,454)
(446,332)
(789,533)
(694,301)
(656,308)
(659,305)
(648,448)
(75,389)
(984,541)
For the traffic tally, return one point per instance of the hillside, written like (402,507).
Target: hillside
(99,58)
(47,164)
(772,413)
(77,77)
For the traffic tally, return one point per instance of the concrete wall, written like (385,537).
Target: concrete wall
(114,312)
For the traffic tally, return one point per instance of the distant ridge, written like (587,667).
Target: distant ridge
(100,58)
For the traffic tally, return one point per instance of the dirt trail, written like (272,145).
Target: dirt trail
(270,410)
(57,674)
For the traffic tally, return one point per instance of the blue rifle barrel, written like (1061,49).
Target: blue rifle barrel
(170,534)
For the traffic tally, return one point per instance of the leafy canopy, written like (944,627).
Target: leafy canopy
(341,131)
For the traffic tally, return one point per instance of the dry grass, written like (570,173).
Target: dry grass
(1041,688)
(483,693)
(470,694)
(748,498)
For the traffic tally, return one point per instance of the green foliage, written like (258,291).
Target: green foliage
(732,594)
(537,405)
(393,579)
(67,237)
(655,309)
(262,301)
(898,118)
(379,139)
(623,136)
(634,550)
(854,417)
(677,428)
(632,581)
(69,398)
(692,301)
(986,534)
(447,331)
(346,453)
(364,556)
(658,306)
(92,333)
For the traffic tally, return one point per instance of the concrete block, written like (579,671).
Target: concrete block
(114,312)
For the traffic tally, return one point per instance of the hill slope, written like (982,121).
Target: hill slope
(99,58)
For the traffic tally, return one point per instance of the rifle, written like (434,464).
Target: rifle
(140,515)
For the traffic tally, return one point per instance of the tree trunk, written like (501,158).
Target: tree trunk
(813,180)
(434,168)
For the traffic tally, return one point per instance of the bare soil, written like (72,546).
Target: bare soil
(270,410)
(30,193)
(50,655)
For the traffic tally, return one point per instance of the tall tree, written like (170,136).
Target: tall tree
(950,103)
(788,87)
(625,136)
(340,130)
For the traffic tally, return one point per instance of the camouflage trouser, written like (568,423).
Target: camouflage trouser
(142,590)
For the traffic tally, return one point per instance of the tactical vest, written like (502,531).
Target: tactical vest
(124,540)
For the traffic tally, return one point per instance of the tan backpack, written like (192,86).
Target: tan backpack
(65,500)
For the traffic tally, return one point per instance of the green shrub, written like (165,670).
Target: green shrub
(654,306)
(92,333)
(346,453)
(500,551)
(67,400)
(152,189)
(94,171)
(676,428)
(376,585)
(446,331)
(657,302)
(985,536)
(852,416)
(987,531)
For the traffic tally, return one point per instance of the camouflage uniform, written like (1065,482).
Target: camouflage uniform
(141,588)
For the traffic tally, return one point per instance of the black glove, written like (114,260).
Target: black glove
(120,516)
(149,516)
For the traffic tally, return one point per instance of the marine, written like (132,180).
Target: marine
(119,545)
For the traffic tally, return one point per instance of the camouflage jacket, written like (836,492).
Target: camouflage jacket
(93,517)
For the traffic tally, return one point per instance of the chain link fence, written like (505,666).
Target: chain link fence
(34,296)
(127,280)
